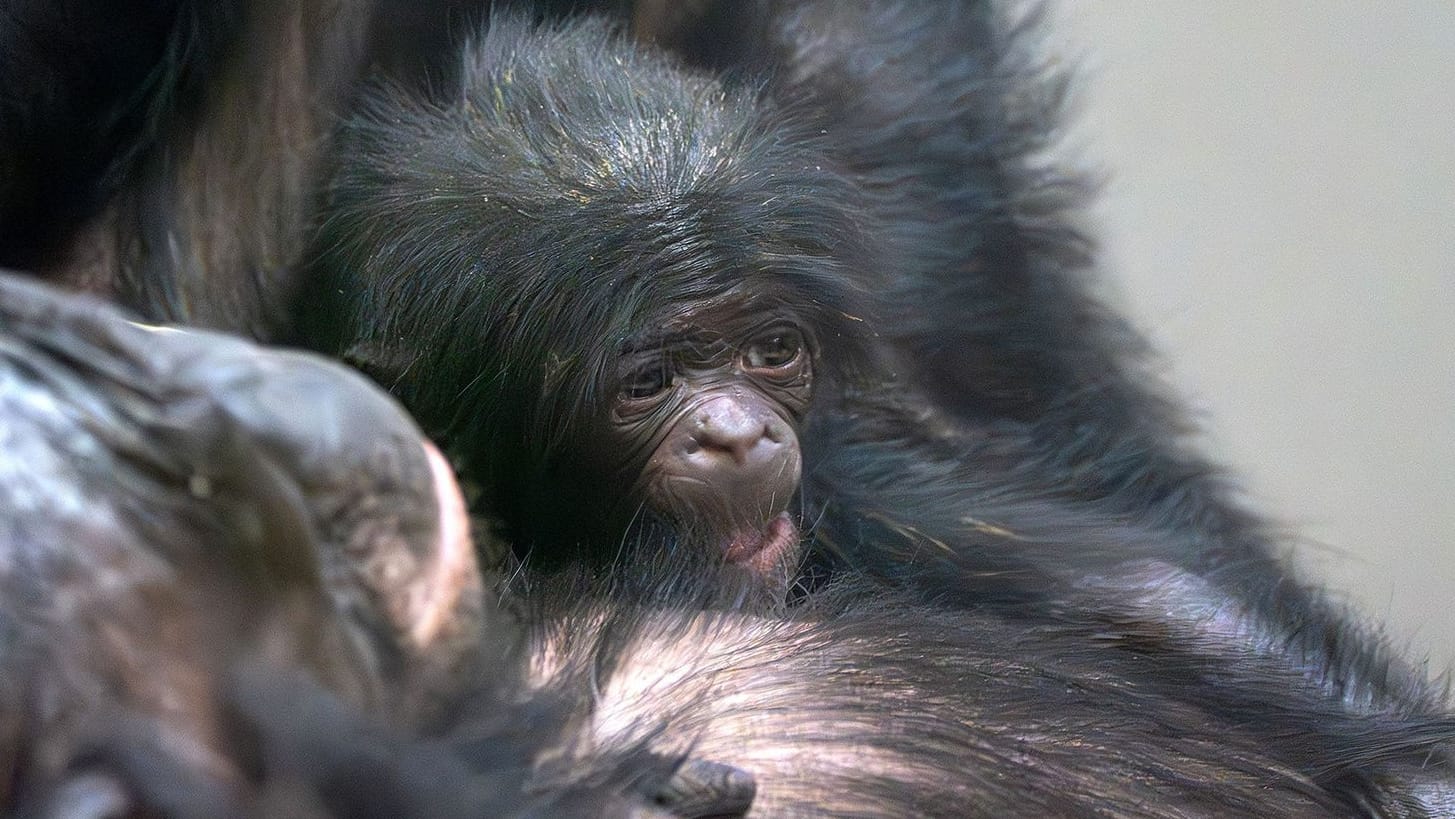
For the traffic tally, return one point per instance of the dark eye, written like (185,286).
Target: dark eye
(646,381)
(777,349)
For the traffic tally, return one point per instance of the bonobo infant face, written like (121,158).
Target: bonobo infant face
(612,301)
(703,428)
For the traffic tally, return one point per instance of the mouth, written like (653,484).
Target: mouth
(764,550)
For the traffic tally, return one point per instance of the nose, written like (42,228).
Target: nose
(724,427)
(732,463)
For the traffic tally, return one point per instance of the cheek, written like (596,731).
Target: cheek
(791,392)
(621,446)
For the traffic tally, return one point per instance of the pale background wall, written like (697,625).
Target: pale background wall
(1280,217)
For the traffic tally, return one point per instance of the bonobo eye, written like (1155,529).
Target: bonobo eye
(775,349)
(646,381)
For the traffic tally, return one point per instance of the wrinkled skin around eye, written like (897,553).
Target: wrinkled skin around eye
(775,351)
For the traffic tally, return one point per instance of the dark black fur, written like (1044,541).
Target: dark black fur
(84,88)
(1052,478)
(1030,457)
(1048,466)
(1000,449)
(1011,456)
(1051,473)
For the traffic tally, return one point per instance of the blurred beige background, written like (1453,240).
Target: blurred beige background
(1280,217)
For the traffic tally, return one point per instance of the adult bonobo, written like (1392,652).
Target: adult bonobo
(615,294)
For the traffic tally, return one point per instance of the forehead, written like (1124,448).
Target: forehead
(728,317)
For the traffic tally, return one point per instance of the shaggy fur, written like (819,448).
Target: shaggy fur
(991,444)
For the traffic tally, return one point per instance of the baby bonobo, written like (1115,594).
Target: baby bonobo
(611,288)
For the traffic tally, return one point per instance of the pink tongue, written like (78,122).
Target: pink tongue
(745,545)
(763,545)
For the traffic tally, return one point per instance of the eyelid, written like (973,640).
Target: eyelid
(784,338)
(652,374)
